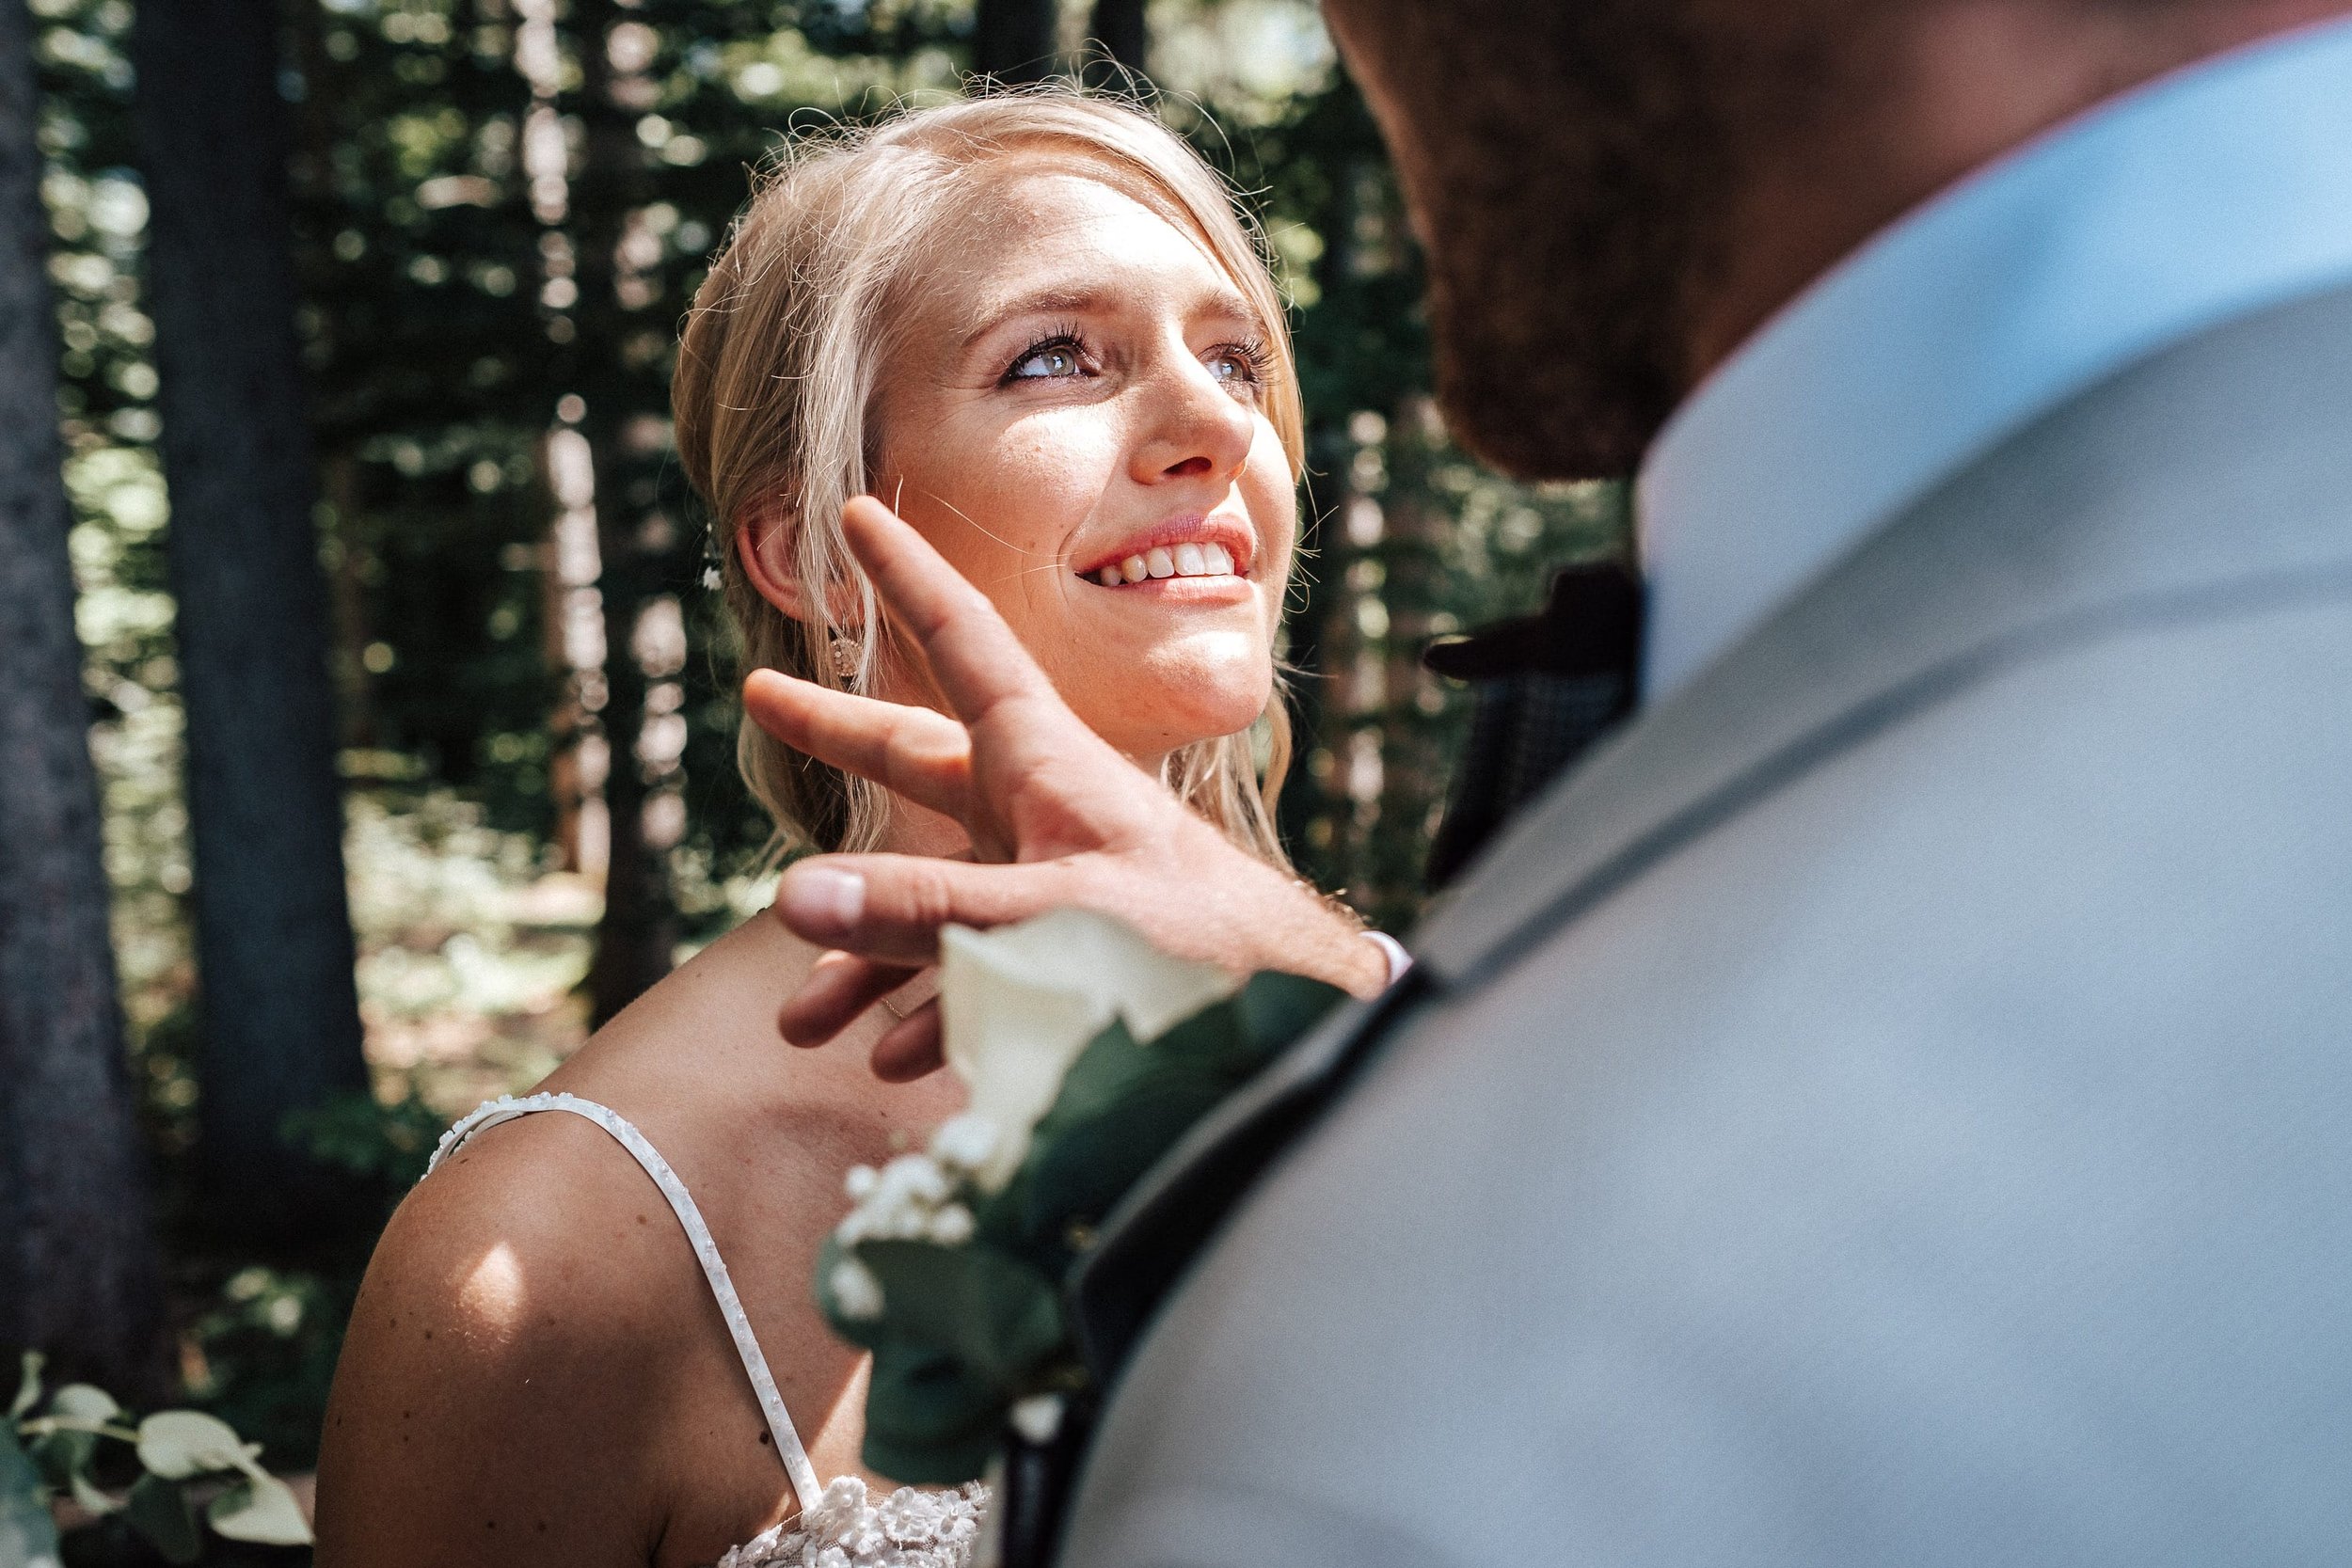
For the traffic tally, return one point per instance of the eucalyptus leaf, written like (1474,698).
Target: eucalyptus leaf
(29,1383)
(1112,1061)
(1216,1041)
(29,1537)
(62,1455)
(998,1316)
(84,1402)
(929,1421)
(263,1509)
(89,1497)
(159,1511)
(178,1443)
(1076,1174)
(1276,1010)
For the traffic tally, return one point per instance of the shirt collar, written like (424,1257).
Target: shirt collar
(2205,196)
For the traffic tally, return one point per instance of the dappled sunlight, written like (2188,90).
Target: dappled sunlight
(492,1296)
(471,949)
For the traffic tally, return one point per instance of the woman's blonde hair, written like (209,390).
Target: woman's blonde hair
(777,380)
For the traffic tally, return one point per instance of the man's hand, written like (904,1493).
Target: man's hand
(1055,818)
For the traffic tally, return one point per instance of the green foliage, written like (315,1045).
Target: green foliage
(28,1536)
(388,1145)
(261,1353)
(157,1474)
(966,1331)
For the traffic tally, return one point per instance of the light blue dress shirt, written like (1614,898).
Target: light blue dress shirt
(2204,195)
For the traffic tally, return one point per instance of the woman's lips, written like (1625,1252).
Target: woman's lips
(1184,547)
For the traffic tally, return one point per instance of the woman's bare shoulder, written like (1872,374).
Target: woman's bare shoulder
(504,1360)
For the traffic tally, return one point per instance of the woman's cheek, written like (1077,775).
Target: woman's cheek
(1060,462)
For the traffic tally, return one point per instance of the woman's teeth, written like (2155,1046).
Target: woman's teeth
(1185,561)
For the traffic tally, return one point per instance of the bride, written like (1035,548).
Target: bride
(1037,325)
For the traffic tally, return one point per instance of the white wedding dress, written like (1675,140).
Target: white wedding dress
(839,1526)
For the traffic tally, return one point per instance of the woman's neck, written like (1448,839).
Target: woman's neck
(914,829)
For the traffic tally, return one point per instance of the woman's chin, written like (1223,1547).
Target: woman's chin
(1151,723)
(1149,696)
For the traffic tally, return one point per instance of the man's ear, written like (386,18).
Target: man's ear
(763,542)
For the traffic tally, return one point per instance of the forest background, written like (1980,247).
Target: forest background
(489,217)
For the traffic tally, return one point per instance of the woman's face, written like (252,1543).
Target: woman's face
(1076,420)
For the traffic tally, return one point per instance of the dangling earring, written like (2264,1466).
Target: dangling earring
(712,561)
(844,654)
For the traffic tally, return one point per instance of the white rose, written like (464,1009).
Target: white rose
(1018,1004)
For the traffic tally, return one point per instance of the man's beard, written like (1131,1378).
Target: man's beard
(1568,163)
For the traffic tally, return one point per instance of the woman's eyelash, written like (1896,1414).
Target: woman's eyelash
(1062,338)
(1253,352)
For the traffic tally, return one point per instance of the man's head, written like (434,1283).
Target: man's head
(1613,193)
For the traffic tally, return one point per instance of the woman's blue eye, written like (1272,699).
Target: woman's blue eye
(1235,367)
(1046,364)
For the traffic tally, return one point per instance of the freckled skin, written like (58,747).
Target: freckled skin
(580,1403)
(1020,486)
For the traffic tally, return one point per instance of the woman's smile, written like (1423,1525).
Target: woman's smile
(1212,553)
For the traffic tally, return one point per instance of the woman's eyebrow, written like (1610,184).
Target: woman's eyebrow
(1044,302)
(1224,300)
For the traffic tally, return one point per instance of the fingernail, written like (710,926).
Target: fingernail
(821,897)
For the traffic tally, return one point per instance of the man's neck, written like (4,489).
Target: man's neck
(1946,89)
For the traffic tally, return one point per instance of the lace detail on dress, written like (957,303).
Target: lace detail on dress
(909,1529)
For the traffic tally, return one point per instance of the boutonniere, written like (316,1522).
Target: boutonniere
(1089,1053)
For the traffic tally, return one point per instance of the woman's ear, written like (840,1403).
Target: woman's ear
(763,542)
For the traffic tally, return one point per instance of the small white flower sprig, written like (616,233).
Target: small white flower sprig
(49,1448)
(1088,1053)
(1017,1005)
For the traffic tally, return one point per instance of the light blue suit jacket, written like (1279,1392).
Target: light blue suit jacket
(1893,1106)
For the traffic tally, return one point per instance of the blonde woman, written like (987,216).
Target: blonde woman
(1039,328)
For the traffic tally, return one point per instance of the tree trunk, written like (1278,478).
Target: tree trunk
(1016,42)
(274,943)
(1122,43)
(638,935)
(78,1272)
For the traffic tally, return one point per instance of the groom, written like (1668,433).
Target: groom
(1894,1104)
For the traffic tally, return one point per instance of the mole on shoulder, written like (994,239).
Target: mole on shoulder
(765,1440)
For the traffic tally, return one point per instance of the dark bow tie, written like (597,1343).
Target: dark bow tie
(1545,688)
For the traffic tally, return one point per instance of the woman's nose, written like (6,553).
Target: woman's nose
(1199,429)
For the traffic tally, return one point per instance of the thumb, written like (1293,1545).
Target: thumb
(890,908)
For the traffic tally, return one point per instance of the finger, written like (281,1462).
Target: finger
(974,655)
(889,908)
(912,1048)
(835,995)
(912,751)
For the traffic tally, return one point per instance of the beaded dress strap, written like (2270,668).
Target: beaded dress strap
(689,1219)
